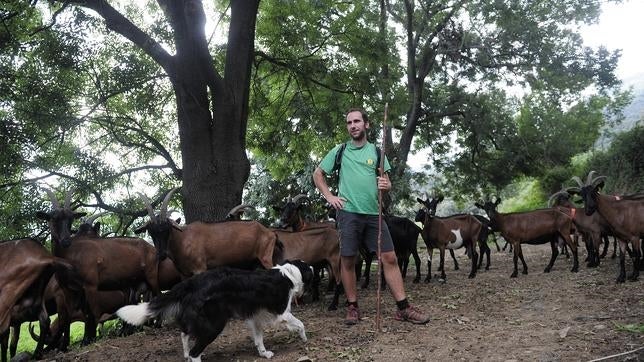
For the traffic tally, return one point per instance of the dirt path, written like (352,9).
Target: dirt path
(560,316)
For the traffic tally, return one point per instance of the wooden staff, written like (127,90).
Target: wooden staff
(382,174)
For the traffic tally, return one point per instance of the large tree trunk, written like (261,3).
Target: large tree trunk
(212,140)
(213,145)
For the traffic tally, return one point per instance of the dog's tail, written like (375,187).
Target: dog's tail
(135,314)
(166,306)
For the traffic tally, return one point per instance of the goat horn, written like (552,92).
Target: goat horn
(90,220)
(166,200)
(53,198)
(590,176)
(237,209)
(577,180)
(296,199)
(553,196)
(148,205)
(597,179)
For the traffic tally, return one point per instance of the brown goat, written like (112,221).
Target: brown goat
(291,216)
(624,214)
(536,226)
(313,246)
(27,267)
(448,233)
(593,228)
(105,263)
(199,246)
(69,306)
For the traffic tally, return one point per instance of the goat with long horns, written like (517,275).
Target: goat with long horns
(624,214)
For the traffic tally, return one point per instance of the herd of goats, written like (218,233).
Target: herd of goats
(87,277)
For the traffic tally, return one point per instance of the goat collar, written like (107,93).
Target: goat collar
(573,211)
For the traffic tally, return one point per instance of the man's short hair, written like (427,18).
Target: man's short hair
(365,118)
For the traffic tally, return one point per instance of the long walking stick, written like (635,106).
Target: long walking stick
(382,173)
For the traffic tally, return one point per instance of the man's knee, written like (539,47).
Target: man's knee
(348,262)
(389,257)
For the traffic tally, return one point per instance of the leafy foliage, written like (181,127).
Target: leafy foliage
(84,108)
(622,162)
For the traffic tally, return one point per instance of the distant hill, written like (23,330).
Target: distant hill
(633,113)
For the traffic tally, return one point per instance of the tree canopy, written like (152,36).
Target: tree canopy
(108,99)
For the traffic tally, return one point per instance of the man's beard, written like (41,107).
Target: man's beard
(360,136)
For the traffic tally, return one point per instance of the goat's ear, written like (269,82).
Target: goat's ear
(78,215)
(478,205)
(141,228)
(440,198)
(97,227)
(599,186)
(420,200)
(43,215)
(498,201)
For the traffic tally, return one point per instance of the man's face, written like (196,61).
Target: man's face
(356,126)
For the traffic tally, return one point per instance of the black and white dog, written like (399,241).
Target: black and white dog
(203,304)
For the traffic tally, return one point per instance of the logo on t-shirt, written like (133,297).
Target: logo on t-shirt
(369,162)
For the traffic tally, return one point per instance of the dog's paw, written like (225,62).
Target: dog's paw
(266,354)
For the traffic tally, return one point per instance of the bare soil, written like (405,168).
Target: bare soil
(560,316)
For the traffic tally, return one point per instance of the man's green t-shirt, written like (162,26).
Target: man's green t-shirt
(358,183)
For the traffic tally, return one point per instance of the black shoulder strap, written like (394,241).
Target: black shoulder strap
(338,158)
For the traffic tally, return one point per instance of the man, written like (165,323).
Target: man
(357,215)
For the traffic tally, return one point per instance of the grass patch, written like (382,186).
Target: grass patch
(633,327)
(77,330)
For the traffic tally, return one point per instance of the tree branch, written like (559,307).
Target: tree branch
(295,70)
(115,21)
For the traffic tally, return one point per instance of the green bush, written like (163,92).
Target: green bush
(523,195)
(622,162)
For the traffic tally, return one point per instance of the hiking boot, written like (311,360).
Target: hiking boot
(411,314)
(353,315)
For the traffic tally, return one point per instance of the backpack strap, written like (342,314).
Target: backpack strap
(338,159)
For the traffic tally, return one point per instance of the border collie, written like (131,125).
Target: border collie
(203,304)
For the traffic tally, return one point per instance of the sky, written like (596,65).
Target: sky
(621,26)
